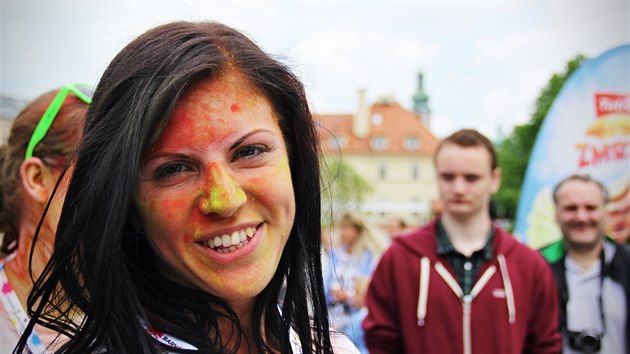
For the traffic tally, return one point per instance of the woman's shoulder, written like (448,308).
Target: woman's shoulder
(341,344)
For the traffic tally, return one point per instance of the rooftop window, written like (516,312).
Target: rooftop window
(337,142)
(411,143)
(377,119)
(379,143)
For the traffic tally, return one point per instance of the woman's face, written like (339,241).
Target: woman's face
(215,192)
(348,233)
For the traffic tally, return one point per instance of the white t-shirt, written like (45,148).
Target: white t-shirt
(9,334)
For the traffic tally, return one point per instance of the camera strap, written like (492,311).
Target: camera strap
(565,293)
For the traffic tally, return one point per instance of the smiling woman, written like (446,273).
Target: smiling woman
(195,196)
(218,175)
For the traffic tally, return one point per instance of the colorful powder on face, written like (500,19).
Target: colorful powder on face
(235,108)
(178,132)
(173,207)
(197,231)
(223,191)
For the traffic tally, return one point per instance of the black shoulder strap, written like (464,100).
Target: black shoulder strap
(559,270)
(563,290)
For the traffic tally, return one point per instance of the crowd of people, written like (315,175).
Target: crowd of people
(175,208)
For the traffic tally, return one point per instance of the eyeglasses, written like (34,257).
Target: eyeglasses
(83,92)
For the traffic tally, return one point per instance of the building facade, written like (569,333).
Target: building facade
(392,149)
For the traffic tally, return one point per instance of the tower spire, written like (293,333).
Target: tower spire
(421,101)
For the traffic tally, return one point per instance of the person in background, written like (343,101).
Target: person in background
(592,271)
(436,208)
(351,264)
(329,239)
(42,136)
(461,284)
(194,196)
(395,226)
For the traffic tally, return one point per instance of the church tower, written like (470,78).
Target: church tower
(421,101)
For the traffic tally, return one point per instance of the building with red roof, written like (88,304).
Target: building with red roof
(390,147)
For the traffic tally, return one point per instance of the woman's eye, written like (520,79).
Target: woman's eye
(170,170)
(250,151)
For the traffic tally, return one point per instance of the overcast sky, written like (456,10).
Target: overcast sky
(484,62)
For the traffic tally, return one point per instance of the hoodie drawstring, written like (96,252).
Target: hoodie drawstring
(425,268)
(507,284)
(466,300)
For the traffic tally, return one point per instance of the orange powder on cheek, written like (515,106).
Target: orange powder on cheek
(172,208)
(257,183)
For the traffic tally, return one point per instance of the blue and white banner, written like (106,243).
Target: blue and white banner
(586,131)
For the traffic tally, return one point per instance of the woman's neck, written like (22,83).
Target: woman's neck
(17,268)
(247,345)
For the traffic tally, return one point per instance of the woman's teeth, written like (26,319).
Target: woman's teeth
(231,242)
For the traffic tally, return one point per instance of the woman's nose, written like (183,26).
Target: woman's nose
(222,194)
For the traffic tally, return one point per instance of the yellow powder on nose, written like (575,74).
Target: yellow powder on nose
(218,198)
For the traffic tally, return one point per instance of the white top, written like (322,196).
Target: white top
(13,321)
(341,344)
(583,311)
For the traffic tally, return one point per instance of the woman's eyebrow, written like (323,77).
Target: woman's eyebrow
(241,139)
(162,155)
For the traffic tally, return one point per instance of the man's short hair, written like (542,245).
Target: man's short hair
(470,138)
(583,178)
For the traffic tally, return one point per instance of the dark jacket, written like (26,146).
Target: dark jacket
(618,270)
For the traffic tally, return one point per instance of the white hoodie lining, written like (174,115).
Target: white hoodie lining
(483,280)
(507,284)
(465,300)
(448,278)
(425,268)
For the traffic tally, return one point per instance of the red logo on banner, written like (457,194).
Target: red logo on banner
(611,103)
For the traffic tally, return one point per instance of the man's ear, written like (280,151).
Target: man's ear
(496,180)
(38,180)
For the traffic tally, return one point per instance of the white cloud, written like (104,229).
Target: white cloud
(473,54)
(343,62)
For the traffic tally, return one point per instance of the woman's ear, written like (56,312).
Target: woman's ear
(37,179)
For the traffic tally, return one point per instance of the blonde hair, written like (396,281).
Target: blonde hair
(370,237)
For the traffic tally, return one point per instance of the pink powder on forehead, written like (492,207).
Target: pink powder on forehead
(235,108)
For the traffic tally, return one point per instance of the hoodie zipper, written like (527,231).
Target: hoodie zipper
(466,300)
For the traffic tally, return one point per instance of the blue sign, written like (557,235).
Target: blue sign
(587,131)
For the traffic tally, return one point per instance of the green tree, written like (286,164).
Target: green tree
(342,186)
(514,151)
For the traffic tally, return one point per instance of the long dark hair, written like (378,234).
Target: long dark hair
(103,267)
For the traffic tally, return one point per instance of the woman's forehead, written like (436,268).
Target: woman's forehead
(214,109)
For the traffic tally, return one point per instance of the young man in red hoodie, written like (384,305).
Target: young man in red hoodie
(461,284)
